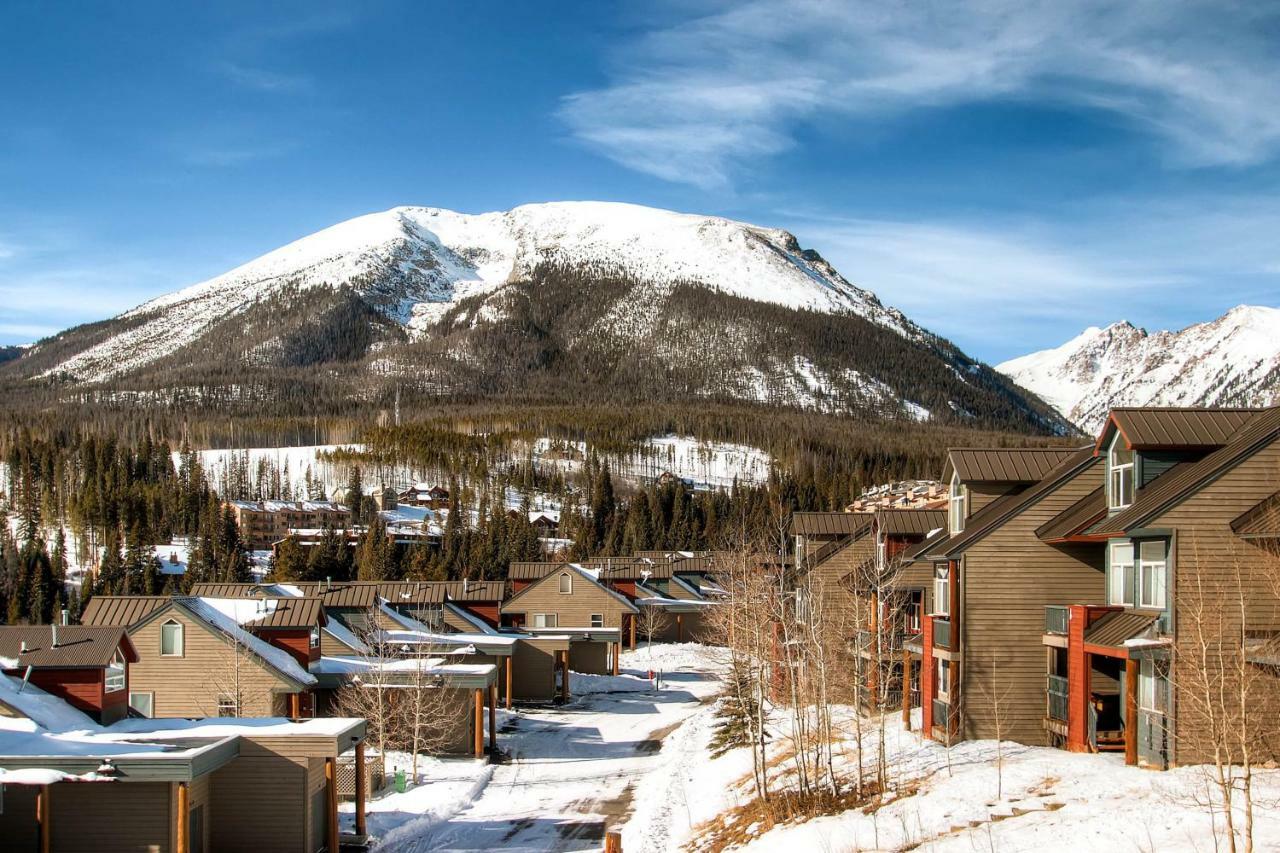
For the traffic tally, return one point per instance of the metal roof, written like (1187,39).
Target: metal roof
(472,590)
(830,523)
(1150,428)
(1003,464)
(292,613)
(1260,522)
(1074,519)
(910,522)
(922,549)
(79,646)
(638,571)
(122,610)
(1114,628)
(1179,483)
(527,571)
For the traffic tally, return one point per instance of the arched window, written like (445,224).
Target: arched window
(171,642)
(566,584)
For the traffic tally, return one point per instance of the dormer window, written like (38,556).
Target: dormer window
(1120,469)
(958,505)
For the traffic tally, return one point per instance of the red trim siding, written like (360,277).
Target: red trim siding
(295,641)
(928,689)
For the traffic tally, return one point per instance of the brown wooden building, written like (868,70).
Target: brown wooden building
(87,667)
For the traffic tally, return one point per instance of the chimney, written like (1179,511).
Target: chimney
(54,629)
(23,649)
(65,620)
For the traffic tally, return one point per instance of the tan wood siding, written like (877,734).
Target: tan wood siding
(1007,579)
(133,817)
(574,609)
(259,804)
(188,686)
(533,674)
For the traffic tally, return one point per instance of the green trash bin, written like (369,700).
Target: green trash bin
(400,782)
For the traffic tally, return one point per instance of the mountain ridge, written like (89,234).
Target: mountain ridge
(1231,360)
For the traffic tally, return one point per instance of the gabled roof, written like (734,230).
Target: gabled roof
(909,522)
(922,549)
(122,610)
(78,647)
(472,590)
(622,599)
(1000,511)
(531,571)
(830,523)
(1075,519)
(639,571)
(292,613)
(1262,521)
(1003,464)
(1183,481)
(1164,428)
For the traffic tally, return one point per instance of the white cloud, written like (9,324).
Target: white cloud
(263,79)
(695,100)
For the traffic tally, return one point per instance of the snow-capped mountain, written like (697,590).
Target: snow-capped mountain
(562,299)
(1233,360)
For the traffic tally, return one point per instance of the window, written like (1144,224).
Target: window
(942,589)
(115,673)
(546,620)
(228,706)
(1153,686)
(1119,475)
(566,584)
(171,639)
(1120,580)
(944,680)
(315,637)
(957,507)
(143,703)
(1152,562)
(597,620)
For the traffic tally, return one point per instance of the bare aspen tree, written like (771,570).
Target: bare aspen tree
(371,693)
(652,620)
(428,713)
(235,686)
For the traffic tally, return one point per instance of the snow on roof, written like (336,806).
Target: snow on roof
(42,709)
(341,665)
(459,639)
(217,727)
(277,658)
(173,558)
(346,636)
(242,610)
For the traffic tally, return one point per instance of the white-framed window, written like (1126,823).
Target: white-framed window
(315,637)
(566,584)
(228,706)
(1153,692)
(958,505)
(546,620)
(115,673)
(1120,468)
(941,589)
(597,620)
(944,679)
(1152,562)
(171,639)
(1120,580)
(143,703)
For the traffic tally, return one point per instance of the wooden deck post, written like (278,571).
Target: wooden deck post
(331,803)
(679,627)
(564,676)
(1130,711)
(479,723)
(613,841)
(906,690)
(493,716)
(361,784)
(508,682)
(183,819)
(617,653)
(295,709)
(44,815)
(632,619)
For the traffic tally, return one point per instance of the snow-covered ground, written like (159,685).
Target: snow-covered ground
(706,463)
(572,771)
(1042,800)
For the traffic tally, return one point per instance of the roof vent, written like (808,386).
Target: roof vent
(54,629)
(23,649)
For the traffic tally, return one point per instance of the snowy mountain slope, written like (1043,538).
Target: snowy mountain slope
(413,263)
(564,301)
(1233,360)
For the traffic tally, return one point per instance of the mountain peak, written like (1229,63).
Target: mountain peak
(1232,360)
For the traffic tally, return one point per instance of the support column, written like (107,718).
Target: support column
(45,817)
(493,716)
(926,678)
(295,705)
(1079,666)
(361,784)
(183,819)
(1130,711)
(508,682)
(906,690)
(617,653)
(331,803)
(564,676)
(632,619)
(679,627)
(479,723)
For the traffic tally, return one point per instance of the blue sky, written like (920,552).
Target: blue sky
(1006,173)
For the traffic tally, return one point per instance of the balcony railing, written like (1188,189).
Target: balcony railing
(1056,618)
(890,641)
(942,632)
(1057,692)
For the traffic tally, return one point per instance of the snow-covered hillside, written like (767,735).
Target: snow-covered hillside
(413,263)
(1233,360)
